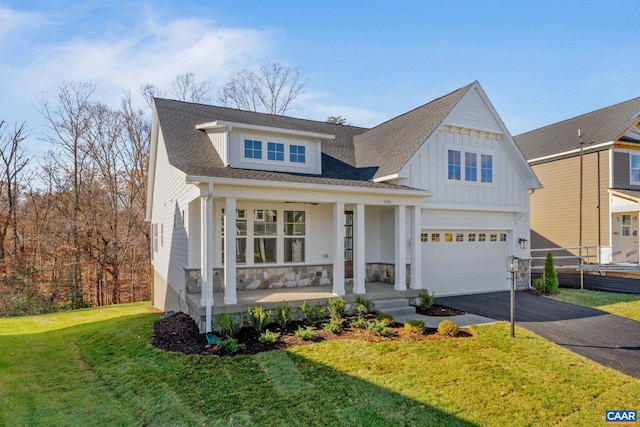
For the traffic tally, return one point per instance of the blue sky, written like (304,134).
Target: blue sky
(539,62)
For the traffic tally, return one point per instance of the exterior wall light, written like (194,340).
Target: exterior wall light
(523,243)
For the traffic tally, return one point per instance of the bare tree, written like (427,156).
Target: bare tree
(149,91)
(14,160)
(69,121)
(185,88)
(271,88)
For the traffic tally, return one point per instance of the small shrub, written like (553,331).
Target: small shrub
(333,326)
(225,324)
(360,323)
(416,326)
(426,299)
(315,312)
(386,318)
(258,317)
(448,327)
(379,327)
(539,285)
(229,345)
(269,337)
(550,275)
(284,314)
(337,307)
(364,302)
(307,334)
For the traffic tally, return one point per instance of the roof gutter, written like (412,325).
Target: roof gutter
(570,153)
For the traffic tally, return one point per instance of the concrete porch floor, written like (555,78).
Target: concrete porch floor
(270,298)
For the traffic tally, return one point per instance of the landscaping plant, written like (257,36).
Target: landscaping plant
(229,345)
(548,283)
(386,318)
(416,326)
(361,306)
(284,314)
(337,307)
(269,337)
(314,313)
(360,323)
(426,299)
(307,334)
(448,327)
(333,326)
(258,317)
(379,327)
(225,324)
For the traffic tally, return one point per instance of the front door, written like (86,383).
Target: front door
(348,244)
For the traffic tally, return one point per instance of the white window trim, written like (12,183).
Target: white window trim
(631,180)
(478,182)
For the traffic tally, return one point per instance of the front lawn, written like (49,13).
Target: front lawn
(97,367)
(625,305)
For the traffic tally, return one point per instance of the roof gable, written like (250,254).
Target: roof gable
(391,144)
(600,126)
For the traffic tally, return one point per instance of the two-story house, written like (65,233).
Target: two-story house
(590,169)
(436,198)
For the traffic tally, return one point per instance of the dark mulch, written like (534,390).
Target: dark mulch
(179,333)
(438,310)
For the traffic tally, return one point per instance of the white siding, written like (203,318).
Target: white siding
(219,141)
(471,112)
(312,146)
(170,198)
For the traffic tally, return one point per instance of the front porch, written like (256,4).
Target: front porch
(270,298)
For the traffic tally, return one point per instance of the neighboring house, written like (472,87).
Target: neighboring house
(610,142)
(436,198)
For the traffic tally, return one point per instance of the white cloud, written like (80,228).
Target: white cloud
(149,51)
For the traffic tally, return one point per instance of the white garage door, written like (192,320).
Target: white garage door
(458,262)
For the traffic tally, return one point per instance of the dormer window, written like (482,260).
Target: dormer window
(275,151)
(297,153)
(252,149)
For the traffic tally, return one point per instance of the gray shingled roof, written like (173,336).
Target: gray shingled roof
(599,126)
(391,144)
(191,151)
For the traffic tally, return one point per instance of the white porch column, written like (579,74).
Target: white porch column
(416,248)
(206,251)
(400,248)
(230,251)
(359,263)
(338,249)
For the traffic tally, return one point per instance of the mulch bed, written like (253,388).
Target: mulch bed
(438,311)
(179,333)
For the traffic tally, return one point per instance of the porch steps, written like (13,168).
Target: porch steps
(397,307)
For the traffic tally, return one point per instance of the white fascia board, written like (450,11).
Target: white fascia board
(570,153)
(191,179)
(218,124)
(392,177)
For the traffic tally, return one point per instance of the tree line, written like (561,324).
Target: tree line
(72,228)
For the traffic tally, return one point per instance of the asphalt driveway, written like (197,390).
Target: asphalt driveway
(608,339)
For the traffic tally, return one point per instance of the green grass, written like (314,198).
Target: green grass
(97,367)
(625,305)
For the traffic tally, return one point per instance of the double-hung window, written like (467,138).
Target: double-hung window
(486,167)
(241,236)
(470,167)
(626,226)
(275,151)
(453,165)
(265,235)
(252,149)
(635,169)
(297,153)
(294,235)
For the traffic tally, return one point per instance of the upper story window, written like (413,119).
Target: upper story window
(275,151)
(470,167)
(453,163)
(635,169)
(297,153)
(486,167)
(252,149)
(457,161)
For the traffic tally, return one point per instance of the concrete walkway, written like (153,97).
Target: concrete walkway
(605,338)
(463,320)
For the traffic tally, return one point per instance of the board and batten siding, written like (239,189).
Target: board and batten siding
(171,197)
(428,170)
(555,209)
